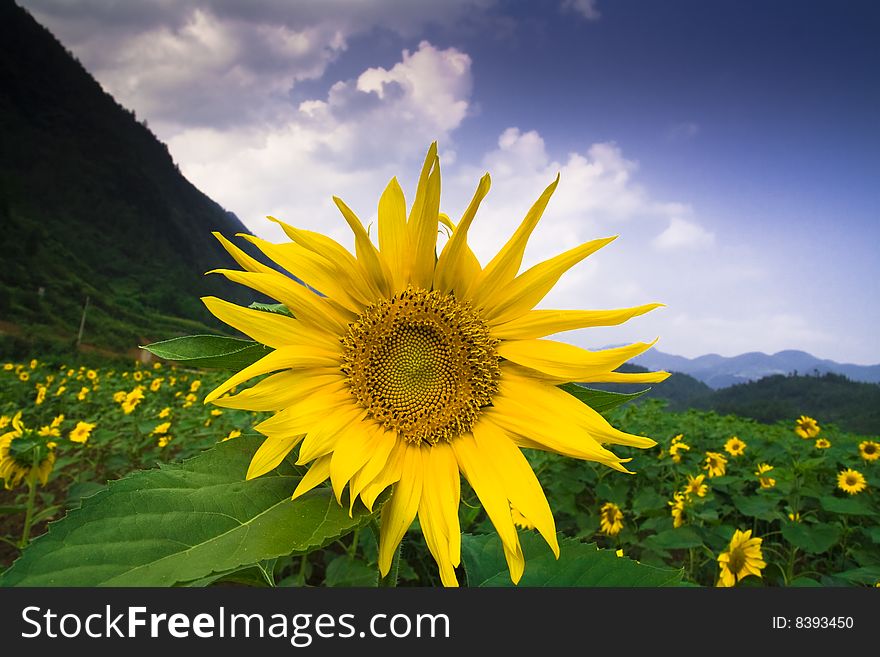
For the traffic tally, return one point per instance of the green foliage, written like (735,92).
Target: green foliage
(579,564)
(600,400)
(210,351)
(183,522)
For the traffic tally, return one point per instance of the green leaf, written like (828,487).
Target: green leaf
(847,505)
(183,522)
(869,575)
(757,506)
(277,308)
(601,401)
(674,539)
(9,510)
(814,539)
(210,351)
(348,571)
(648,500)
(579,564)
(805,582)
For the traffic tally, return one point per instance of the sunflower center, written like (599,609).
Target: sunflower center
(851,480)
(869,449)
(421,363)
(737,561)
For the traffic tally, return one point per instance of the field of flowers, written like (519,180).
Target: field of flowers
(727,500)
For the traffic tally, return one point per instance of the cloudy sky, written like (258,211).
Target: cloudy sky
(732,145)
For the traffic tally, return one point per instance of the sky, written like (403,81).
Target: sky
(731,145)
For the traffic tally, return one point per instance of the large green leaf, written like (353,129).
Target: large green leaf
(757,506)
(579,564)
(674,539)
(183,522)
(847,505)
(600,400)
(211,351)
(815,539)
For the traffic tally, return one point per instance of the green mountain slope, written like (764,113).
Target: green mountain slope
(92,204)
(829,398)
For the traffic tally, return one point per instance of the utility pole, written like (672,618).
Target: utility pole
(82,322)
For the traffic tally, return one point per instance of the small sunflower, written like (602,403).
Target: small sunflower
(764,478)
(715,464)
(81,432)
(851,481)
(675,450)
(413,367)
(794,516)
(822,443)
(610,519)
(24,455)
(806,427)
(734,446)
(695,486)
(677,509)
(742,558)
(869,450)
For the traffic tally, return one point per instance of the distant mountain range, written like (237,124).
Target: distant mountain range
(721,372)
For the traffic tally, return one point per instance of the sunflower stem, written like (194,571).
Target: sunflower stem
(29,512)
(390,580)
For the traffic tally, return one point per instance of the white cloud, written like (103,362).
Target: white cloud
(586,8)
(349,143)
(683,234)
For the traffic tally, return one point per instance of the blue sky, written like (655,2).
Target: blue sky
(731,145)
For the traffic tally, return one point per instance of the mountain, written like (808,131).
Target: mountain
(720,371)
(92,205)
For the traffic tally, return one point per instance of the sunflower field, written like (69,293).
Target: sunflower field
(719,501)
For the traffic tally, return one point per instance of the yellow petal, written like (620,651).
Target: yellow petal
(526,290)
(399,512)
(480,469)
(243,259)
(541,323)
(627,377)
(551,436)
(522,486)
(422,228)
(326,431)
(271,329)
(281,390)
(316,475)
(367,254)
(502,269)
(270,454)
(353,449)
(438,510)
(566,361)
(456,256)
(313,310)
(376,464)
(393,236)
(545,400)
(389,475)
(344,286)
(297,357)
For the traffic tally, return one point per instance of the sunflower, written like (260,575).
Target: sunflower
(743,558)
(610,519)
(806,427)
(715,464)
(869,450)
(675,450)
(519,519)
(765,479)
(735,447)
(851,481)
(411,367)
(695,486)
(679,500)
(822,443)
(81,432)
(24,455)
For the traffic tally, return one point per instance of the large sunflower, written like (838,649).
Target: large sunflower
(410,367)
